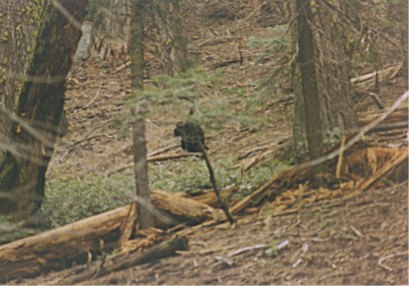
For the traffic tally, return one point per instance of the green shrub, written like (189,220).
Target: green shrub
(190,175)
(68,200)
(10,231)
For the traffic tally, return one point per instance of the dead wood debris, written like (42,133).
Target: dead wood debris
(164,249)
(124,66)
(72,243)
(218,41)
(158,158)
(254,157)
(366,81)
(208,197)
(380,262)
(360,168)
(56,248)
(381,162)
(400,157)
(225,63)
(128,225)
(269,249)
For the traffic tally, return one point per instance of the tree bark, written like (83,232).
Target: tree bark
(145,215)
(110,27)
(309,84)
(171,43)
(34,96)
(16,50)
(323,109)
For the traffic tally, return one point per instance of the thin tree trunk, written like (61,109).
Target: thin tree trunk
(145,216)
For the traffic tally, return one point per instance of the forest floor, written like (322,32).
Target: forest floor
(360,240)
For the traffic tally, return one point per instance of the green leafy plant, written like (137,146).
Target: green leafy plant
(68,200)
(10,231)
(190,175)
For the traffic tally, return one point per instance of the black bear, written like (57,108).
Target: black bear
(193,139)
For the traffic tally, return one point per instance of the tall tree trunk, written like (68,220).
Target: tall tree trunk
(110,26)
(145,216)
(171,43)
(323,108)
(36,59)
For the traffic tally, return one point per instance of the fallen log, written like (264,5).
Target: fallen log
(166,157)
(58,248)
(366,81)
(75,243)
(208,197)
(164,249)
(183,207)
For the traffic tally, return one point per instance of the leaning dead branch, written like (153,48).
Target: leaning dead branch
(299,171)
(359,135)
(222,202)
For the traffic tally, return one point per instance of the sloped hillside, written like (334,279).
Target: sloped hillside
(306,236)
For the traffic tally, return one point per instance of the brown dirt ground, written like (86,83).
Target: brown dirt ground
(363,240)
(346,242)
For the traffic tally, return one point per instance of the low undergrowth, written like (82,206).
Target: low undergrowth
(68,200)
